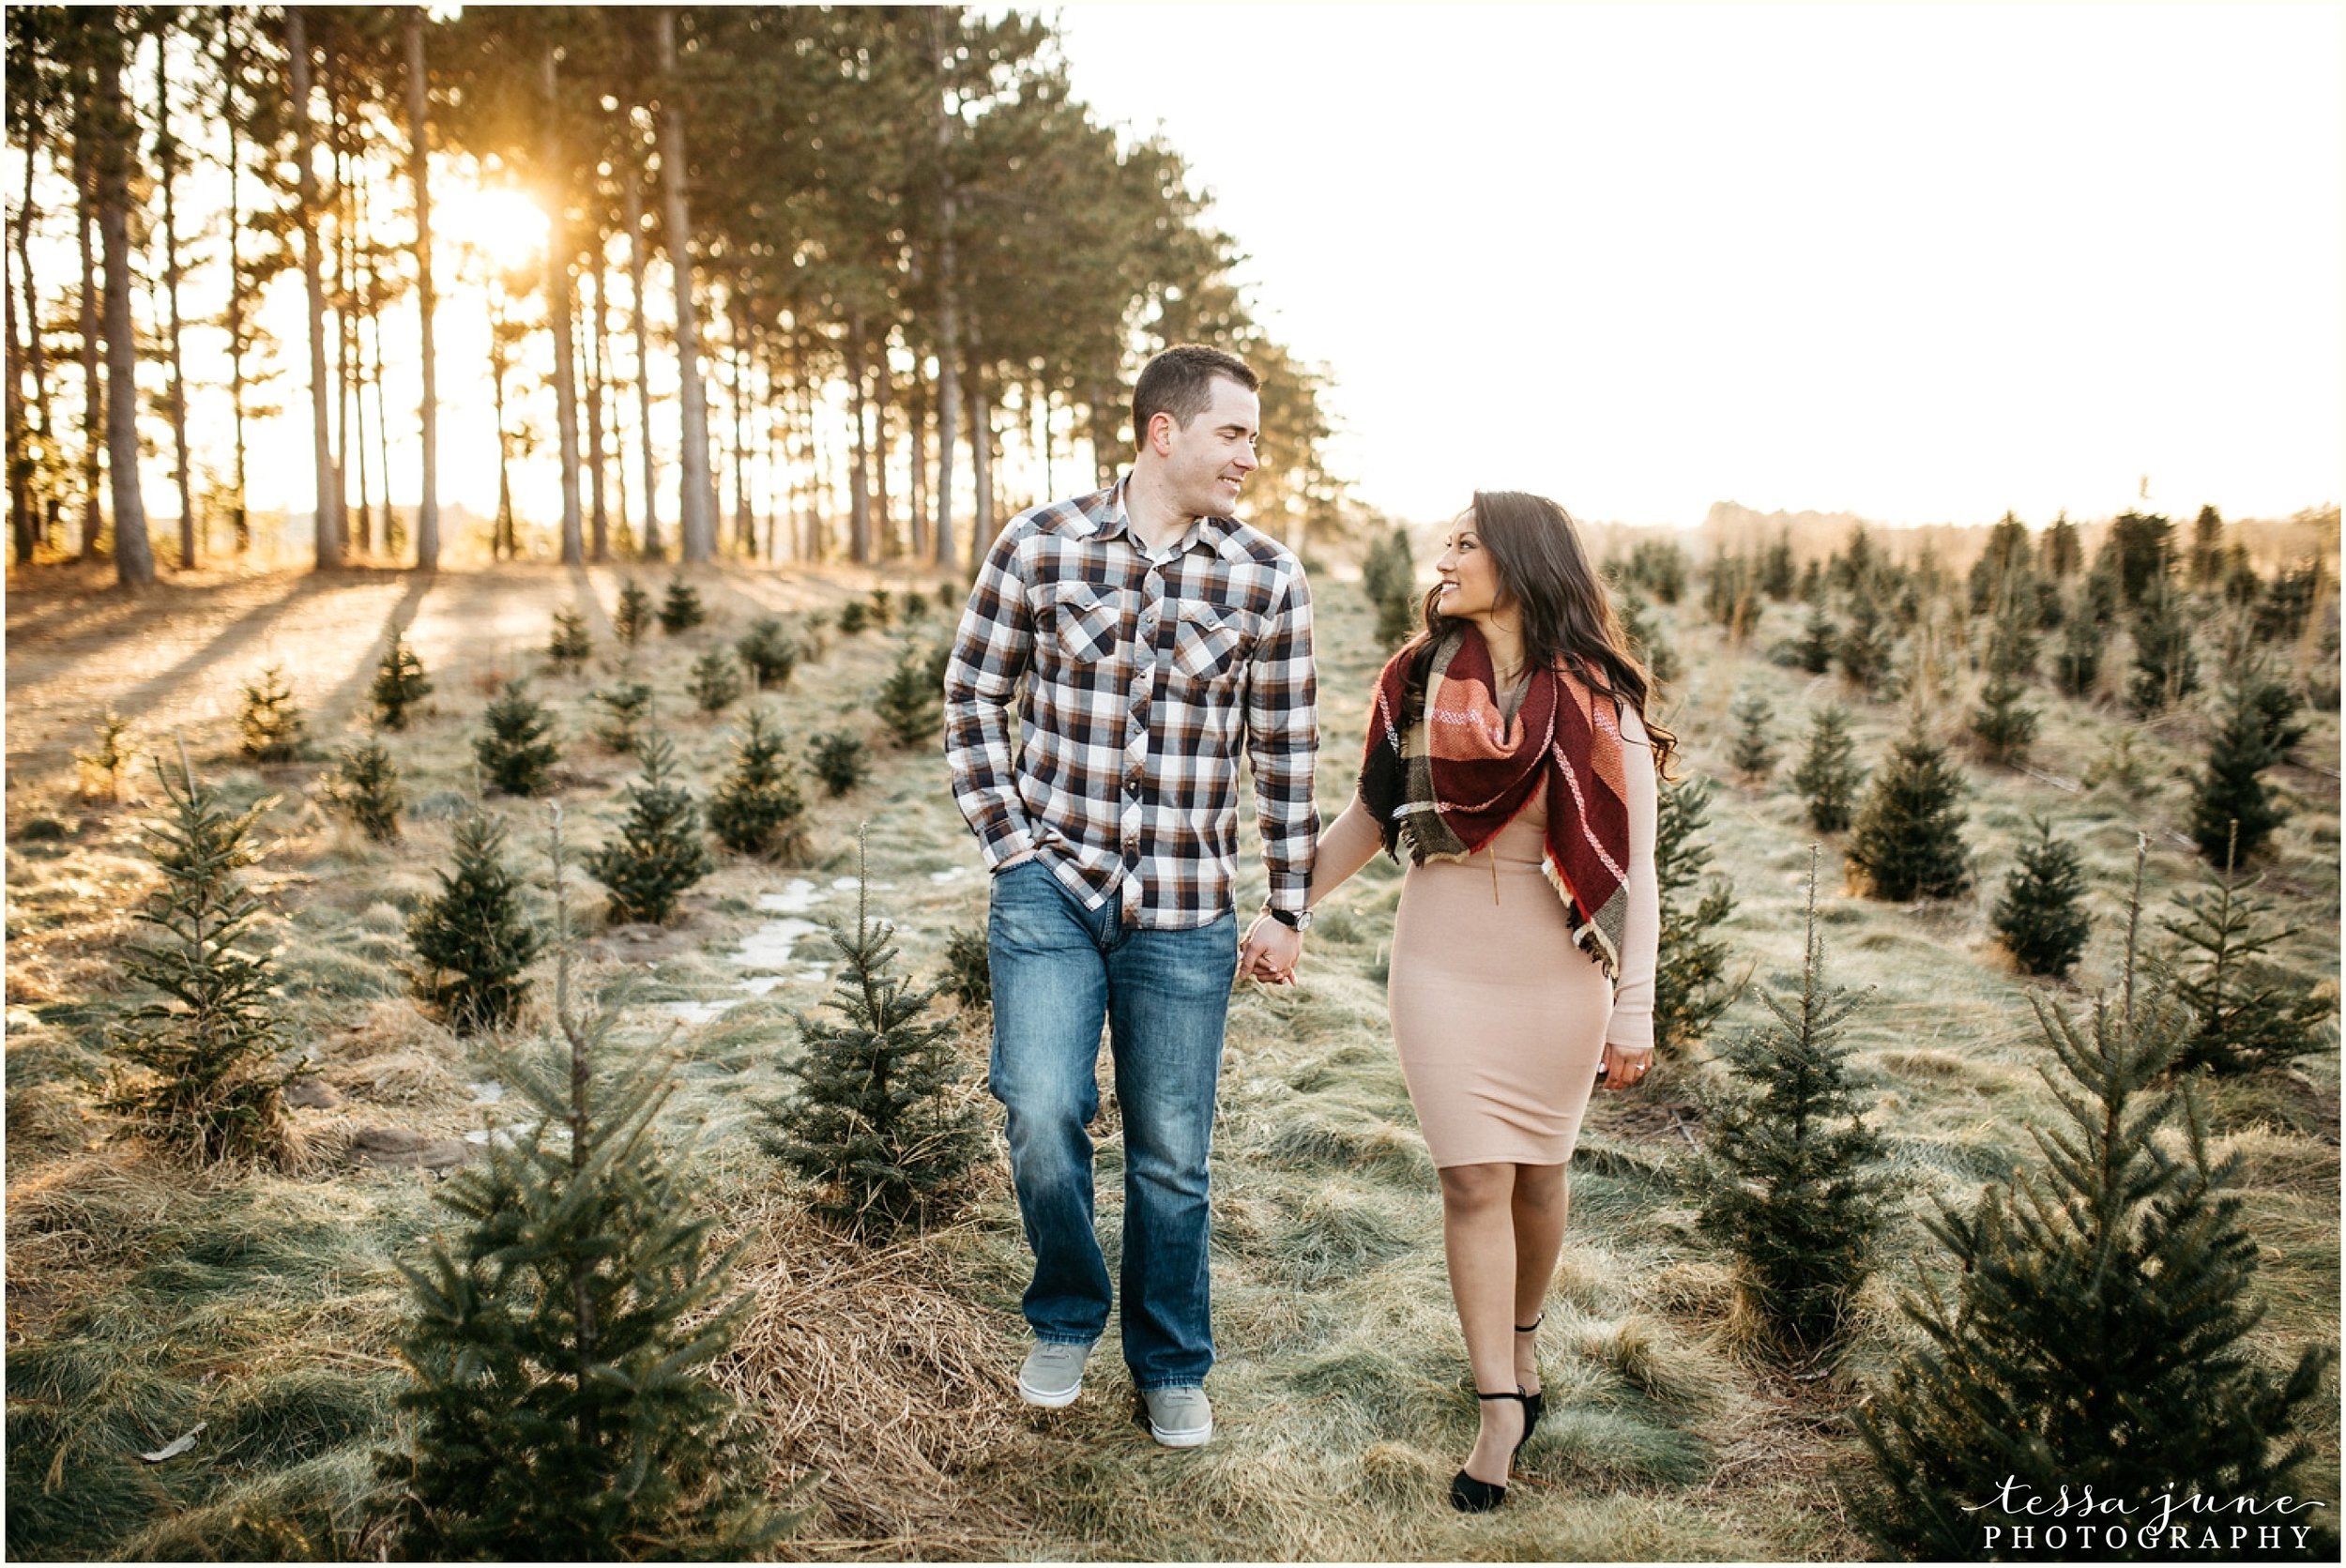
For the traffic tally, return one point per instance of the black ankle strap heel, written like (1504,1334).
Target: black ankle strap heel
(1532,1403)
(1469,1494)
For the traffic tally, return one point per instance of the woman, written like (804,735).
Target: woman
(1508,751)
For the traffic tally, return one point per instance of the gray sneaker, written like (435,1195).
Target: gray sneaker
(1179,1416)
(1054,1374)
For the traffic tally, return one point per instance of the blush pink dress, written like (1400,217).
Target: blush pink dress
(1499,1019)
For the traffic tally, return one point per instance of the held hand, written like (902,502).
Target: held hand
(1623,1066)
(1269,951)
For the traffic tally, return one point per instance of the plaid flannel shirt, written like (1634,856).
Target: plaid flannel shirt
(1142,677)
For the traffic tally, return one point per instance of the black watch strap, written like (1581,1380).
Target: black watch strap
(1293,920)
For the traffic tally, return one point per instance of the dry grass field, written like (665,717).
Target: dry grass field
(144,1299)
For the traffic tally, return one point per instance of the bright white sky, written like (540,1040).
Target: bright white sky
(1923,262)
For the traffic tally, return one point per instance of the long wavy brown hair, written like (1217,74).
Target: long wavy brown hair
(1544,570)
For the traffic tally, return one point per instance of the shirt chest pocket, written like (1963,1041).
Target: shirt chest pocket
(1084,620)
(1209,644)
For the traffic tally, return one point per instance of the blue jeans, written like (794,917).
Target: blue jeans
(1059,971)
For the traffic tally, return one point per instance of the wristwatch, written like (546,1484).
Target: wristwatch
(1294,920)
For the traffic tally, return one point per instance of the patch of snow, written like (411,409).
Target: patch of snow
(488,1092)
(770,946)
(693,1012)
(797,897)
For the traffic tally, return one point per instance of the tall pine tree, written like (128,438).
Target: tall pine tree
(2097,1338)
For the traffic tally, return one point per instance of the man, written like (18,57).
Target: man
(1154,637)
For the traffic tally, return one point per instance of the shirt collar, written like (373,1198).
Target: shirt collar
(1105,512)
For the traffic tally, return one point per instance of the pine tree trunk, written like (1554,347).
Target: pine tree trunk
(36,340)
(428,411)
(744,523)
(134,556)
(239,514)
(393,543)
(553,177)
(346,231)
(167,165)
(328,523)
(598,511)
(632,185)
(93,384)
(980,468)
(20,445)
(948,321)
(859,472)
(917,409)
(883,511)
(697,509)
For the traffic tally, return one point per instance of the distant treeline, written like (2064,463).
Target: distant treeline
(814,275)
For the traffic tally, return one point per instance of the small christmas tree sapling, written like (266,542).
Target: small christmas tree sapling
(680,607)
(626,709)
(472,936)
(1818,637)
(758,809)
(878,1122)
(1690,983)
(367,790)
(2233,809)
(840,760)
(1828,777)
(272,723)
(203,1076)
(769,651)
(2041,917)
(103,767)
(570,645)
(1752,750)
(399,684)
(883,605)
(2241,1011)
(516,750)
(562,1334)
(911,701)
(659,852)
(716,683)
(854,615)
(1907,838)
(2099,1331)
(968,971)
(633,613)
(1792,1180)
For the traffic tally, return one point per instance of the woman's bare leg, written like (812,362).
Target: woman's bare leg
(1478,1237)
(1537,1208)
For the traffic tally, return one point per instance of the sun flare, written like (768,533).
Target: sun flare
(503,223)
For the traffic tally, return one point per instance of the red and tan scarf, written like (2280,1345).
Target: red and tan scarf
(1448,773)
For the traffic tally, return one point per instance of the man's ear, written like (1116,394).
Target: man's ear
(1168,426)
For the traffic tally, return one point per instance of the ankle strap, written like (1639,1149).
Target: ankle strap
(1533,1326)
(1516,1393)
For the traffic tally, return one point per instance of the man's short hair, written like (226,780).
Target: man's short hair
(1179,382)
